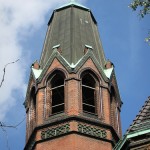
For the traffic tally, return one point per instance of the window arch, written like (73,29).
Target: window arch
(89,95)
(56,90)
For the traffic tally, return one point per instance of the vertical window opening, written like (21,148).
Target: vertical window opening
(113,108)
(57,90)
(88,93)
(34,106)
(32,110)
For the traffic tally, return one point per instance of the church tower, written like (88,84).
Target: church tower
(72,100)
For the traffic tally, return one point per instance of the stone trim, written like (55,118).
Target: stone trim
(53,129)
(92,131)
(68,67)
(54,132)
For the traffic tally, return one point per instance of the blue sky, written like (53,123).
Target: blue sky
(23,28)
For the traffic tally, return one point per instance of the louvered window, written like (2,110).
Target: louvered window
(57,93)
(88,93)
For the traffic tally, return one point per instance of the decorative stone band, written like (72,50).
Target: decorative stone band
(81,128)
(53,132)
(92,131)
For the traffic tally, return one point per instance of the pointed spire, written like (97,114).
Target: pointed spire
(73,2)
(72,19)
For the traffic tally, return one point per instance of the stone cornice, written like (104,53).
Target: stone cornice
(64,118)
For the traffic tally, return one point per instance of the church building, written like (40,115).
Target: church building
(72,100)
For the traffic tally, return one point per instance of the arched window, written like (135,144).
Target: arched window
(56,85)
(89,93)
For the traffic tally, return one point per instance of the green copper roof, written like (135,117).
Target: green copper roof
(72,30)
(75,3)
(128,136)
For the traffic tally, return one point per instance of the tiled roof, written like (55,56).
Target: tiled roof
(142,119)
(139,128)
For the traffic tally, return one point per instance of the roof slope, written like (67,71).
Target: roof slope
(142,119)
(138,134)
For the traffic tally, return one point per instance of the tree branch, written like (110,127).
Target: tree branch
(4,70)
(6,135)
(2,125)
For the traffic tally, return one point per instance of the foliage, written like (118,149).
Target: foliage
(144,6)
(148,39)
